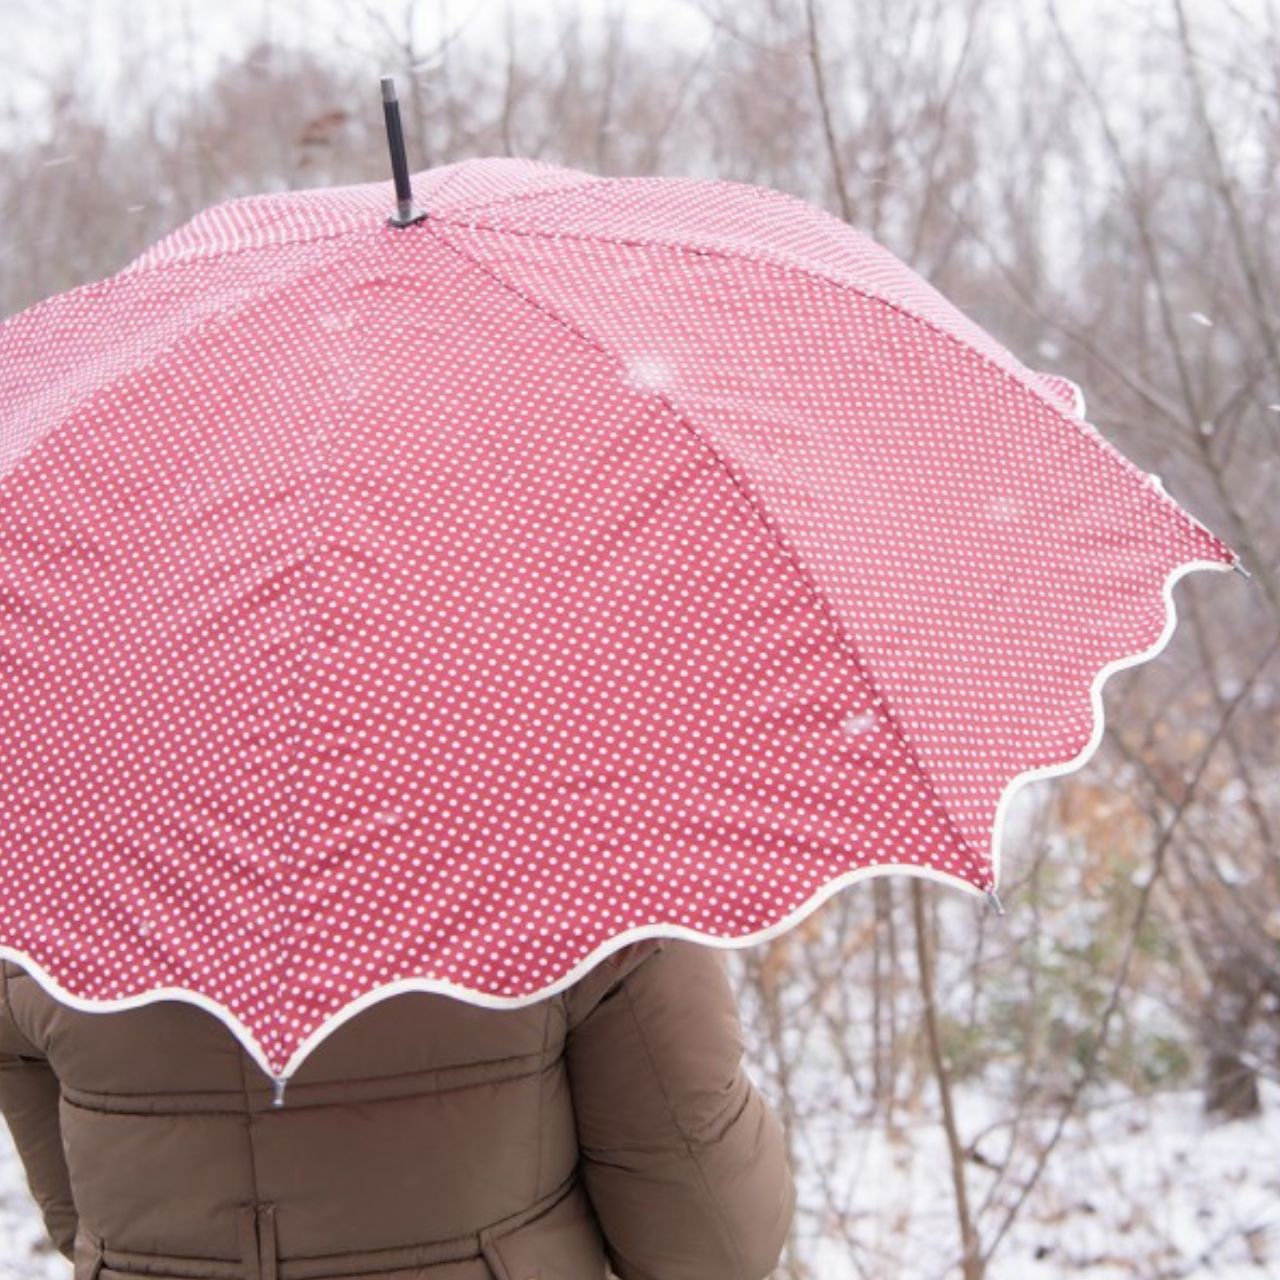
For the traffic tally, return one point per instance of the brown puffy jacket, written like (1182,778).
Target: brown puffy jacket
(425,1139)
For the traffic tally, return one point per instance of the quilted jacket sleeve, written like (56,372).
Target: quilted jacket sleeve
(683,1159)
(29,1102)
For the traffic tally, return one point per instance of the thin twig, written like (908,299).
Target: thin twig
(1094,1051)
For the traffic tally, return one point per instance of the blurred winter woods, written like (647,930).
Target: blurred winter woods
(965,1094)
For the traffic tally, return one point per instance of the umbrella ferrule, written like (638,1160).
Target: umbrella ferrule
(406,212)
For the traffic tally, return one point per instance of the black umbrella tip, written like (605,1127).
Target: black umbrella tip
(407,213)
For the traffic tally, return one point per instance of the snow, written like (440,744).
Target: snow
(1137,1187)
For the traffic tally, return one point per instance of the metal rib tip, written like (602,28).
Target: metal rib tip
(994,899)
(1238,565)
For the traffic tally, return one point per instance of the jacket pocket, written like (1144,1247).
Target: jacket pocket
(563,1243)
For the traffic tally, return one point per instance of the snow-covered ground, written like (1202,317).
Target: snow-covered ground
(1137,1189)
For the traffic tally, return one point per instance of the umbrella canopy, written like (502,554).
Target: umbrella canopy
(443,607)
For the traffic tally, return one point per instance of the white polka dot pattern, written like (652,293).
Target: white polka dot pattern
(445,607)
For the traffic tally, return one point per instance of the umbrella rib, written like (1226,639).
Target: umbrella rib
(503,203)
(1017,375)
(843,641)
(779,261)
(168,344)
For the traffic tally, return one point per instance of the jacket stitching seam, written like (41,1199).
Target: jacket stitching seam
(99,1105)
(689,1144)
(542,1093)
(248,1131)
(6,1008)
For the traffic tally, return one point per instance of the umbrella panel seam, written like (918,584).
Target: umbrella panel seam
(843,642)
(778,261)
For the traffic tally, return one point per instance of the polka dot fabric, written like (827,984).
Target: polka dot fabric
(443,608)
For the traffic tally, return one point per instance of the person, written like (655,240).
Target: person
(613,1125)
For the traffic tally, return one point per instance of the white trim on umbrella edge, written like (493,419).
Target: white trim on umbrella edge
(620,940)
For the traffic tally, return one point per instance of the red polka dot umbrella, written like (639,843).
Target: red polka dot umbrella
(444,606)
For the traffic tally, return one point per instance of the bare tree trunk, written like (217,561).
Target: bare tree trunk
(972,1254)
(1231,1084)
